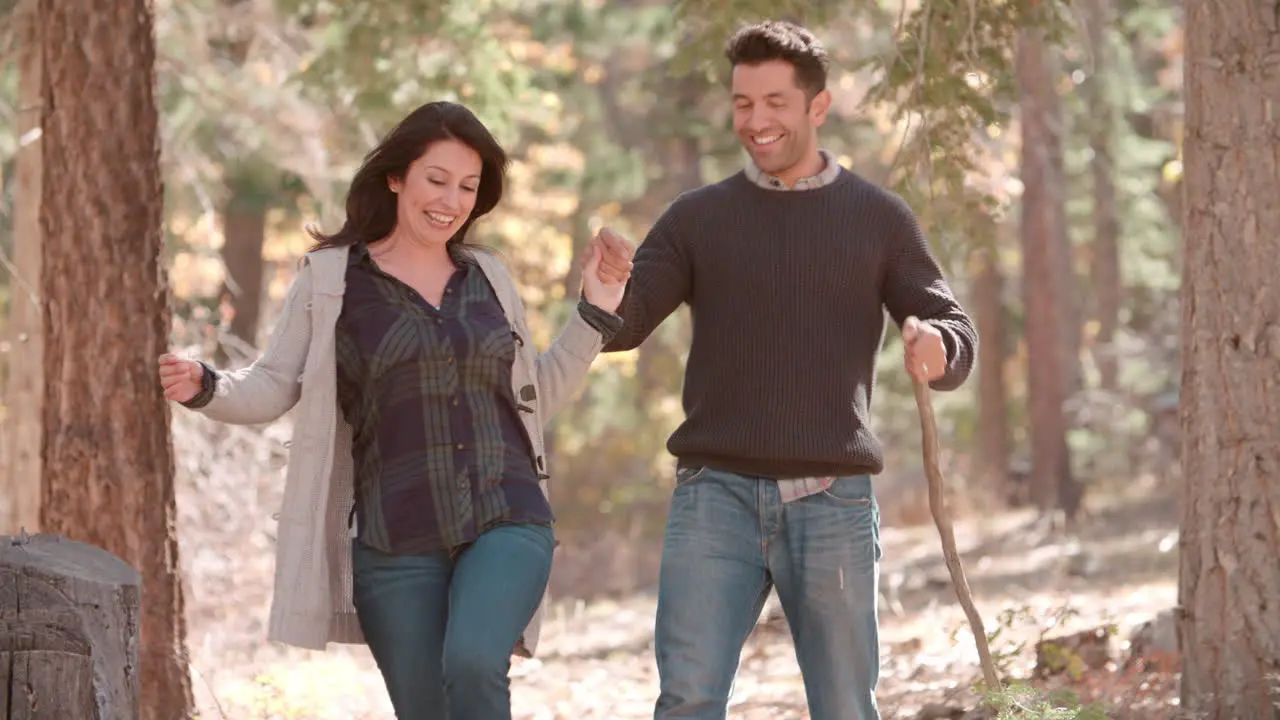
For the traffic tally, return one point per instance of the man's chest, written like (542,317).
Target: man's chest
(768,255)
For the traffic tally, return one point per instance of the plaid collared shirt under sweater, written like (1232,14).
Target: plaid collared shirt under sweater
(796,488)
(440,453)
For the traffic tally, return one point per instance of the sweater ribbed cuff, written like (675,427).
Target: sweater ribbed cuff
(208,386)
(605,323)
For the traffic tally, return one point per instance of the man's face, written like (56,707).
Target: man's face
(772,118)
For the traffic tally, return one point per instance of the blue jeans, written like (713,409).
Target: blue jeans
(442,630)
(730,539)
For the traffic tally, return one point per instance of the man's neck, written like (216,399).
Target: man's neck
(812,164)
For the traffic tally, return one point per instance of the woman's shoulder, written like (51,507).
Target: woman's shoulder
(491,262)
(326,268)
(499,276)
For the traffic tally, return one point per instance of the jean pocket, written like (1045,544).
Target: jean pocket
(851,490)
(686,475)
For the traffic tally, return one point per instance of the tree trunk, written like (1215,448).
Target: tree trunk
(1106,217)
(1229,579)
(68,631)
(993,400)
(108,464)
(1045,292)
(25,390)
(244,228)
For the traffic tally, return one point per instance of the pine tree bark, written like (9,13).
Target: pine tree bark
(1046,292)
(1229,579)
(108,464)
(20,466)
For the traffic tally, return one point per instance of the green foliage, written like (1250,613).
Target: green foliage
(949,79)
(705,26)
(1024,702)
(380,59)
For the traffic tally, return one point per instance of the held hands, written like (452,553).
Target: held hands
(924,353)
(607,269)
(180,378)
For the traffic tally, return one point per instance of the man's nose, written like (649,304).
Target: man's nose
(758,120)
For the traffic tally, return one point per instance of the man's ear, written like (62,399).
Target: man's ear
(818,108)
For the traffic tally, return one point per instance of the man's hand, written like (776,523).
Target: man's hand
(616,253)
(923,350)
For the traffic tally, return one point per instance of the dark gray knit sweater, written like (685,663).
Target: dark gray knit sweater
(788,293)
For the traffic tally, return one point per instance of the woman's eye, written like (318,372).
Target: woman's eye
(469,189)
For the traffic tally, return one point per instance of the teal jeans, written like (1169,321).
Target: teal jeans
(442,630)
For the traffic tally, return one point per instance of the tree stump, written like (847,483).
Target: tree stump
(68,631)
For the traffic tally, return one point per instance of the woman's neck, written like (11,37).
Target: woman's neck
(401,248)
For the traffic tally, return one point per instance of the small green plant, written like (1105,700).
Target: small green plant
(1020,701)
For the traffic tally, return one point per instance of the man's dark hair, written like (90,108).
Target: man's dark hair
(780,40)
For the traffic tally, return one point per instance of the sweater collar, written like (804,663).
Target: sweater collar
(830,171)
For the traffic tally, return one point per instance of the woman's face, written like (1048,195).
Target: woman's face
(438,191)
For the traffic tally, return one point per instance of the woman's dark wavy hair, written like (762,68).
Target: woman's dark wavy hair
(371,206)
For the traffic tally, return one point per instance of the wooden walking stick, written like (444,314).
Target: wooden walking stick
(942,518)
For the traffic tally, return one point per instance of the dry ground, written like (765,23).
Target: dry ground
(596,660)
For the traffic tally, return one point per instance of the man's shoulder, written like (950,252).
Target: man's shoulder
(712,195)
(873,193)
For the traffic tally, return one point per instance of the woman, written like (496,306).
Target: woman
(415,514)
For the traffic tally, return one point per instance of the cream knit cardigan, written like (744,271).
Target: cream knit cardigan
(311,605)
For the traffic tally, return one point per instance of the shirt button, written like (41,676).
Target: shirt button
(455,402)
(449,359)
(459,446)
(439,321)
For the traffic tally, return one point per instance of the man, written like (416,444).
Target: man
(787,266)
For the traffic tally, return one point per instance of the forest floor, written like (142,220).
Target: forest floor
(1117,569)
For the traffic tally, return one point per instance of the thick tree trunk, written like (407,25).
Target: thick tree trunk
(24,394)
(108,464)
(1106,217)
(1047,297)
(1229,578)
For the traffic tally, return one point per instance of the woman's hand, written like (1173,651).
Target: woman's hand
(607,268)
(180,378)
